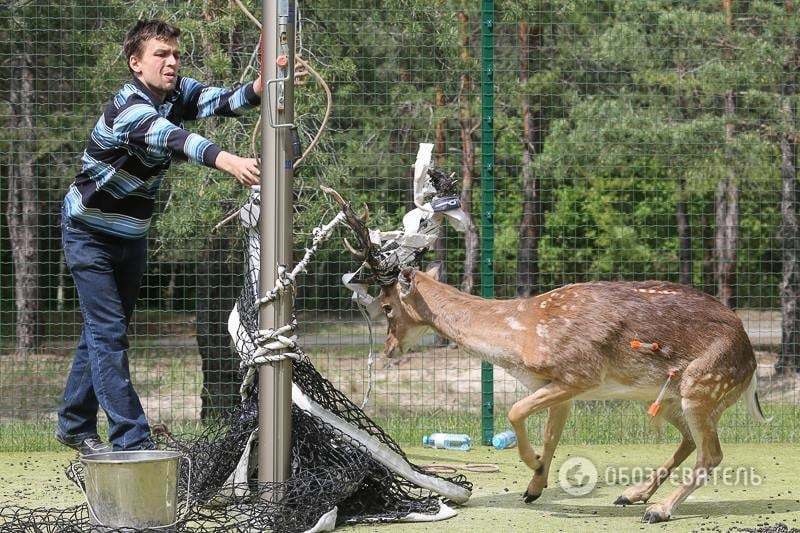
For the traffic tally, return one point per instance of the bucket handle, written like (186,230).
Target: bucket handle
(82,486)
(185,508)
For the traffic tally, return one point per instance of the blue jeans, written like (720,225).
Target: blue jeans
(108,272)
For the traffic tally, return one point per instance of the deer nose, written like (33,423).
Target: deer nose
(390,347)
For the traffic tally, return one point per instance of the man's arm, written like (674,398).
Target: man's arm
(201,101)
(144,131)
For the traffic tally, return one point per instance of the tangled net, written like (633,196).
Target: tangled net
(330,468)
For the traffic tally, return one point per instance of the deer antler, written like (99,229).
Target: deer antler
(359,226)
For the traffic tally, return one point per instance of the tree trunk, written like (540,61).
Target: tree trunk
(789,232)
(219,284)
(790,239)
(169,292)
(707,274)
(726,201)
(684,234)
(439,147)
(681,211)
(23,208)
(218,287)
(62,282)
(533,127)
(726,237)
(465,121)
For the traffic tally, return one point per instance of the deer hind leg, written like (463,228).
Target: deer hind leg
(556,419)
(701,417)
(643,491)
(552,394)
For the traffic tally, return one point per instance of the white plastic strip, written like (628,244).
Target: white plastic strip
(236,484)
(326,522)
(444,513)
(381,452)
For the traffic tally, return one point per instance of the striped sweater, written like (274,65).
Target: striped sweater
(132,145)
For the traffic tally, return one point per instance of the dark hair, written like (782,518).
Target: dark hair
(144,30)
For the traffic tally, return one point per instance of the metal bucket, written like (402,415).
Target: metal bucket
(136,489)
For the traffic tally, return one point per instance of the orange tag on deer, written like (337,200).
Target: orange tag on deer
(654,409)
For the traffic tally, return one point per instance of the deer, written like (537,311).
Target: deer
(641,340)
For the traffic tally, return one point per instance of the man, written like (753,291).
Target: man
(106,217)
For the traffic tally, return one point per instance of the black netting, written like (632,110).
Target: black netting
(329,468)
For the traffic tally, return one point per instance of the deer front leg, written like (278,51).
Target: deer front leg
(553,428)
(552,394)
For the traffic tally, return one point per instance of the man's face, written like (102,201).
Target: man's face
(158,65)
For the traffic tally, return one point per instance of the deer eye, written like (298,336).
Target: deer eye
(388,310)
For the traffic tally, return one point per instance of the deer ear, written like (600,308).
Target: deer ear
(405,281)
(407,274)
(434,270)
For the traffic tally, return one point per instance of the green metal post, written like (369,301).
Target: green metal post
(487,202)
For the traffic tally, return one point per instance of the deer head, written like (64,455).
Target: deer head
(398,294)
(405,310)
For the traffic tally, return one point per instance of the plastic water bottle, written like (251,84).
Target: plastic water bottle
(447,441)
(506,439)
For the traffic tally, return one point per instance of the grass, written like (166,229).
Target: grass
(598,423)
(37,479)
(167,373)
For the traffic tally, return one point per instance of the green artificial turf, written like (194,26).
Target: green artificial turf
(37,480)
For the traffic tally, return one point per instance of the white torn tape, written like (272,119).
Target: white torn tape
(381,452)
(422,183)
(326,522)
(361,296)
(444,513)
(236,485)
(417,240)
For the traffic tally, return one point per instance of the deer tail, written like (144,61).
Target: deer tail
(753,405)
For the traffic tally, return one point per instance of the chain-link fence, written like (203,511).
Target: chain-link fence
(632,140)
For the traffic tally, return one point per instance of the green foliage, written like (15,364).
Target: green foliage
(629,95)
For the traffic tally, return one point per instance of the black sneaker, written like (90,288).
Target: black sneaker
(89,445)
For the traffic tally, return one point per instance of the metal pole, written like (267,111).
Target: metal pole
(487,208)
(275,224)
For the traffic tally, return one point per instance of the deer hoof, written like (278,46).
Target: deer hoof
(622,500)
(529,498)
(654,517)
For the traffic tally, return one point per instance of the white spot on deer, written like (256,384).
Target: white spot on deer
(668,292)
(541,330)
(718,377)
(651,291)
(716,391)
(521,306)
(544,303)
(686,404)
(514,324)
